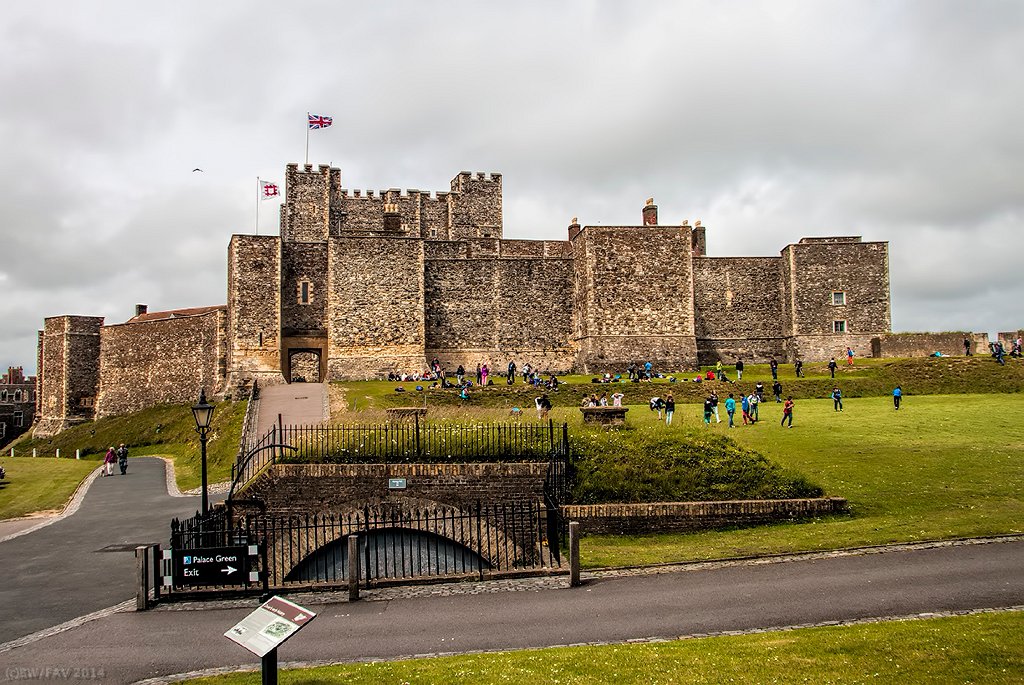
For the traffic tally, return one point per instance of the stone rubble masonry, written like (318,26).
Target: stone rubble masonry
(346,488)
(923,344)
(667,517)
(143,363)
(358,285)
(69,372)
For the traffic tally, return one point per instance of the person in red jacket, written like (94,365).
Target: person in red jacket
(787,412)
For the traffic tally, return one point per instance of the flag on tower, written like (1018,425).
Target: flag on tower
(319,121)
(269,191)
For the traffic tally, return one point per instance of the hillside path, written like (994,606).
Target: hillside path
(298,404)
(86,561)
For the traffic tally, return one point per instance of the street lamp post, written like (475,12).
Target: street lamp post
(203,413)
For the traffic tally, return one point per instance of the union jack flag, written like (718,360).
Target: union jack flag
(317,121)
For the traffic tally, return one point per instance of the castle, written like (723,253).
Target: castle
(361,284)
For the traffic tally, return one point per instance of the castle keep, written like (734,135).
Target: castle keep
(360,284)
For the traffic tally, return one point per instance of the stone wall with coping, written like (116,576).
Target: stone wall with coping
(341,488)
(144,363)
(670,517)
(923,344)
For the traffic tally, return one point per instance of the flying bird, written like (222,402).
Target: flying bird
(197,169)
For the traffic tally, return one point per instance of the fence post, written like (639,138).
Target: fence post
(141,577)
(33,452)
(58,453)
(156,575)
(353,568)
(574,553)
(78,454)
(417,419)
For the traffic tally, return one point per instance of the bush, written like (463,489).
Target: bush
(646,465)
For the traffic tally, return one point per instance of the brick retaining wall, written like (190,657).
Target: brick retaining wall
(665,517)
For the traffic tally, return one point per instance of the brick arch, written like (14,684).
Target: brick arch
(406,514)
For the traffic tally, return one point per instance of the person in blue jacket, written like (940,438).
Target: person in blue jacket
(897,396)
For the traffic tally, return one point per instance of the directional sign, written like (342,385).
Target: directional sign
(396,484)
(213,566)
(272,623)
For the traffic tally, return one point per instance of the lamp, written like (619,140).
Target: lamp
(203,414)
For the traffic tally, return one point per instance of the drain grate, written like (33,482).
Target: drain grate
(124,547)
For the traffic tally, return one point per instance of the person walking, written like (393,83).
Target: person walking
(730,409)
(108,462)
(897,397)
(707,410)
(798,367)
(777,391)
(122,458)
(755,403)
(745,407)
(510,377)
(479,371)
(774,366)
(759,391)
(718,368)
(670,409)
(837,399)
(484,372)
(967,346)
(460,373)
(849,356)
(832,366)
(739,369)
(787,412)
(714,406)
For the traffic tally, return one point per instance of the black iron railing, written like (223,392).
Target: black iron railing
(312,550)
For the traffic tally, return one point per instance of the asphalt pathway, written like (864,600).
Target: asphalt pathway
(666,605)
(86,562)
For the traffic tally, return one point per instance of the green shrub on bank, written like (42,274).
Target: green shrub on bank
(646,465)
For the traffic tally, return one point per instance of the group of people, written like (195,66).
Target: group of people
(601,400)
(117,456)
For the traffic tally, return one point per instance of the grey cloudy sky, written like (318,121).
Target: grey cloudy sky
(770,121)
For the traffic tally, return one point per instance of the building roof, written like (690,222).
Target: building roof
(175,313)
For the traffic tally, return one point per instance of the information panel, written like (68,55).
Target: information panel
(272,623)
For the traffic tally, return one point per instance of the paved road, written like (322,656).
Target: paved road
(664,605)
(66,570)
(298,403)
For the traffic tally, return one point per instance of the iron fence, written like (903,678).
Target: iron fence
(409,442)
(394,545)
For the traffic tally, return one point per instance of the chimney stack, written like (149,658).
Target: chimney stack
(574,228)
(650,213)
(141,309)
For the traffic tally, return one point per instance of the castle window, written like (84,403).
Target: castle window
(305,292)
(838,297)
(17,395)
(838,326)
(19,419)
(433,233)
(3,395)
(3,429)
(261,339)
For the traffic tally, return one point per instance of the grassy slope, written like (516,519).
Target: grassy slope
(167,430)
(941,467)
(868,377)
(34,485)
(965,649)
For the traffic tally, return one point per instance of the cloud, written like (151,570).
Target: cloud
(767,120)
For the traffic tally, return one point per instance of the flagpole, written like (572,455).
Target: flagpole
(257,205)
(307,138)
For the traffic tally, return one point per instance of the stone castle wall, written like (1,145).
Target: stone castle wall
(634,297)
(69,372)
(254,311)
(145,363)
(925,344)
(738,309)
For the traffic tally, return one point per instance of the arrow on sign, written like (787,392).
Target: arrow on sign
(229,570)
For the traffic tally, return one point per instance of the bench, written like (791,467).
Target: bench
(606,416)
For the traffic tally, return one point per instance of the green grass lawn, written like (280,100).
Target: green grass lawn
(964,649)
(941,467)
(40,484)
(165,430)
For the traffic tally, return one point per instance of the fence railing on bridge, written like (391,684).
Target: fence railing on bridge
(484,540)
(407,442)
